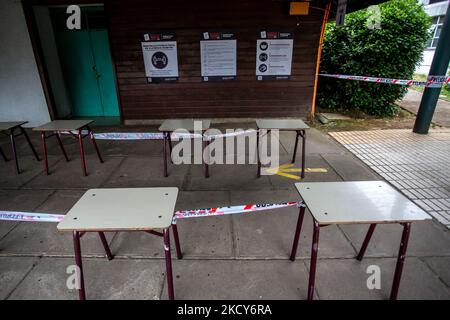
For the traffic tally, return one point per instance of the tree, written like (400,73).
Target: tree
(391,49)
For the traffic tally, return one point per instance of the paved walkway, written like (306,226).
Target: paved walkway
(417,165)
(411,102)
(228,257)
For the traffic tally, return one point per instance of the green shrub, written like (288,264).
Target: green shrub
(392,51)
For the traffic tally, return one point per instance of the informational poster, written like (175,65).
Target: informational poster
(218,56)
(160,56)
(274,55)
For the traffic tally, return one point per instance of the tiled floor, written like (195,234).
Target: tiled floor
(417,165)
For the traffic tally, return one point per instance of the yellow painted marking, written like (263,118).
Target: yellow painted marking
(315,170)
(285,169)
(287,175)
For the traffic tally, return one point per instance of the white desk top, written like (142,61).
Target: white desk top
(9,125)
(121,210)
(63,125)
(358,202)
(281,124)
(187,124)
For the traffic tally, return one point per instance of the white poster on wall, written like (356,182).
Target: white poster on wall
(160,57)
(274,55)
(218,56)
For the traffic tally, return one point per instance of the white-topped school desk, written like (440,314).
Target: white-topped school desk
(170,125)
(282,124)
(9,129)
(5,126)
(73,127)
(296,125)
(64,125)
(356,202)
(123,209)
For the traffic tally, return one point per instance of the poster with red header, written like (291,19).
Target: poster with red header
(274,55)
(218,55)
(160,54)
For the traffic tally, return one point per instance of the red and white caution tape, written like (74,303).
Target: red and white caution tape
(230,134)
(220,211)
(432,81)
(159,135)
(30,216)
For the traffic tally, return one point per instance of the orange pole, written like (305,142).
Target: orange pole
(319,54)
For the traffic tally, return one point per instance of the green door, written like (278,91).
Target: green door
(86,64)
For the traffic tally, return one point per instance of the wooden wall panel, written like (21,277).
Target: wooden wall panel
(189,97)
(245,97)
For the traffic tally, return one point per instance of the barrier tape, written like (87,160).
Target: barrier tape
(30,216)
(218,211)
(159,135)
(230,134)
(432,81)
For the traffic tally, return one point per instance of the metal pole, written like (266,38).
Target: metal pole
(438,67)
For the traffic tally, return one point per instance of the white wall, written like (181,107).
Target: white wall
(21,93)
(427,58)
(52,62)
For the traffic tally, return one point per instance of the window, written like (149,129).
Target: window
(436,29)
(435,1)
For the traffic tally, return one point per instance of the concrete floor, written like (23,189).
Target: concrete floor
(228,257)
(411,102)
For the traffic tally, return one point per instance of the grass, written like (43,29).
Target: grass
(360,121)
(445,91)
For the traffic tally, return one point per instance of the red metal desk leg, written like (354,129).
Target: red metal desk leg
(301,215)
(24,132)
(77,250)
(258,174)
(206,143)
(83,160)
(44,151)
(61,146)
(91,136)
(165,153)
(177,241)
(169,136)
(14,151)
(400,260)
(168,264)
(313,263)
(105,246)
(303,134)
(295,146)
(366,242)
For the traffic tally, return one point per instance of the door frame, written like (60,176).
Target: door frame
(39,53)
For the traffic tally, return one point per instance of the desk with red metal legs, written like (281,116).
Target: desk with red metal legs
(183,125)
(296,125)
(9,129)
(73,127)
(123,210)
(361,202)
